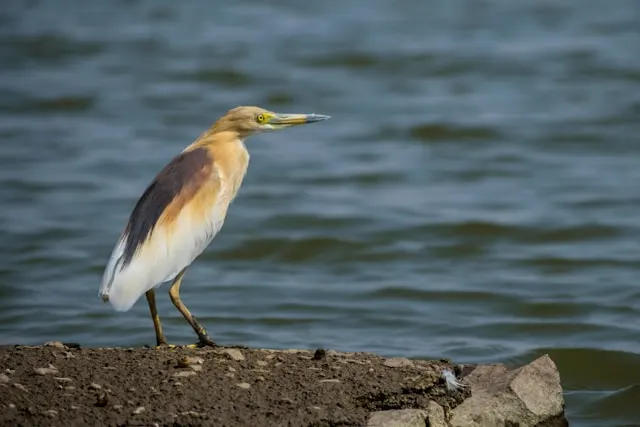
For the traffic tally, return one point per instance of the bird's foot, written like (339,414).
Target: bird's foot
(205,341)
(166,346)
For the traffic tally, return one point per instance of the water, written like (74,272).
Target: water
(474,196)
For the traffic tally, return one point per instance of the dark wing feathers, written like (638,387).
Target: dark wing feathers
(166,186)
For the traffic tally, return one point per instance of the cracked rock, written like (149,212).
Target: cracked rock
(527,396)
(398,418)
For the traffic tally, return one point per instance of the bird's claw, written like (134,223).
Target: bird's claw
(205,342)
(164,345)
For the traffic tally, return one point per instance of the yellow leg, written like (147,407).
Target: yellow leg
(151,299)
(174,294)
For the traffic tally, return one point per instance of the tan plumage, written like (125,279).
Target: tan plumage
(182,210)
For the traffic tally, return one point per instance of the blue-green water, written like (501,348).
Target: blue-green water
(475,195)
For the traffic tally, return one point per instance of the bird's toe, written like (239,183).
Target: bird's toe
(206,342)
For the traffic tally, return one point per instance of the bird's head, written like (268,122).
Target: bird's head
(249,120)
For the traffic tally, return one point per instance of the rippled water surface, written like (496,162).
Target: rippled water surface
(475,195)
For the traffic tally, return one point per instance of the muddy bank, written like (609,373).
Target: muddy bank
(224,387)
(55,385)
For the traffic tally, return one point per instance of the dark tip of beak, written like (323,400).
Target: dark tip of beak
(311,118)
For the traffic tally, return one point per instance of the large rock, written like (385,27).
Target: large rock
(398,418)
(527,396)
(433,416)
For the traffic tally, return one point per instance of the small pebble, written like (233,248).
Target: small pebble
(51,413)
(196,368)
(63,379)
(69,387)
(234,353)
(260,378)
(232,369)
(4,379)
(262,363)
(131,389)
(9,371)
(230,374)
(190,413)
(177,383)
(333,380)
(194,360)
(95,386)
(184,374)
(46,371)
(118,407)
(102,399)
(11,405)
(138,410)
(20,387)
(319,354)
(74,407)
(317,408)
(56,344)
(244,385)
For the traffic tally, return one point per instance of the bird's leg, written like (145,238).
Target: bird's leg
(174,294)
(151,299)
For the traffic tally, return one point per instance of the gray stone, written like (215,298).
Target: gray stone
(244,385)
(527,396)
(4,379)
(398,418)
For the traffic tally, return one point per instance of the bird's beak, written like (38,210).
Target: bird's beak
(296,119)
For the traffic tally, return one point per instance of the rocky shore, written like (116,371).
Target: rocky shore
(64,385)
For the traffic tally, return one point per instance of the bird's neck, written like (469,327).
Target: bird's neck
(229,154)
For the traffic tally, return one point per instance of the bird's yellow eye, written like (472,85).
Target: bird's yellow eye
(261,118)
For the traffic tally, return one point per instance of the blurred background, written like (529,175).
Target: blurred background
(475,195)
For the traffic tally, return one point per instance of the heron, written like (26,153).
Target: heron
(182,210)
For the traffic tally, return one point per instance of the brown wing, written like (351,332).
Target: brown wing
(182,177)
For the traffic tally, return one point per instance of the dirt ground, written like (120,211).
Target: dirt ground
(56,385)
